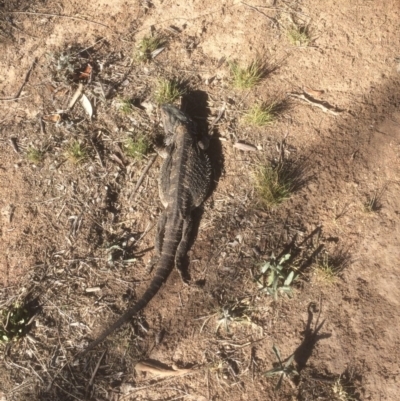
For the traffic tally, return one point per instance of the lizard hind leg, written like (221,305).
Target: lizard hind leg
(180,256)
(158,241)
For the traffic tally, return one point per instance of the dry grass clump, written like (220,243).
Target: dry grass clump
(247,77)
(137,148)
(147,46)
(261,114)
(35,155)
(299,35)
(273,185)
(168,91)
(76,152)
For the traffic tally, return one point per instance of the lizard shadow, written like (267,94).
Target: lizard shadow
(311,336)
(195,104)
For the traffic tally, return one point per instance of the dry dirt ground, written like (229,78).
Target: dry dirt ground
(75,238)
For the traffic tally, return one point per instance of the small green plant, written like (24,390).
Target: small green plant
(327,269)
(237,311)
(137,148)
(167,91)
(340,391)
(13,323)
(249,76)
(76,152)
(273,185)
(261,114)
(299,35)
(124,105)
(147,46)
(276,277)
(35,155)
(284,370)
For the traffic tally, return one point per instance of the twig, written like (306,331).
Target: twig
(327,109)
(96,368)
(14,144)
(274,20)
(216,119)
(17,96)
(147,168)
(26,78)
(57,15)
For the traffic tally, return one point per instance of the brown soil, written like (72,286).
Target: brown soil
(66,227)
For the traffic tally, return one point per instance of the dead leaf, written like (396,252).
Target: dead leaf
(155,53)
(158,370)
(85,102)
(52,118)
(86,74)
(245,147)
(76,96)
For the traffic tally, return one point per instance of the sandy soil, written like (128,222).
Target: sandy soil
(66,228)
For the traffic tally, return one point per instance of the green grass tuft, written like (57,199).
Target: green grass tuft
(168,91)
(137,148)
(76,152)
(273,185)
(147,46)
(299,35)
(249,76)
(35,155)
(261,114)
(327,269)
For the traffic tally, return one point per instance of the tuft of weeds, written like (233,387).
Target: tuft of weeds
(168,91)
(276,277)
(284,370)
(341,392)
(147,46)
(35,155)
(273,185)
(299,35)
(261,114)
(14,322)
(249,76)
(137,148)
(373,204)
(238,311)
(328,268)
(124,105)
(76,152)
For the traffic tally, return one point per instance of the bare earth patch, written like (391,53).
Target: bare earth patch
(76,231)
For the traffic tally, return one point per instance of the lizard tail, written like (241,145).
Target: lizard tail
(164,267)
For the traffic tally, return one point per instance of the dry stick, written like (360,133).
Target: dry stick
(274,20)
(17,96)
(149,164)
(59,16)
(315,103)
(96,369)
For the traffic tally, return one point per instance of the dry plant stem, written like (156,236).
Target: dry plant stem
(96,369)
(315,103)
(141,178)
(265,15)
(57,15)
(17,96)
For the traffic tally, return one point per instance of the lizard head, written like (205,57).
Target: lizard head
(171,116)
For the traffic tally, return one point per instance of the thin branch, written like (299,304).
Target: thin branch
(147,168)
(57,15)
